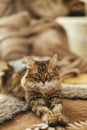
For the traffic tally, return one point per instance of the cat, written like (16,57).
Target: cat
(40,85)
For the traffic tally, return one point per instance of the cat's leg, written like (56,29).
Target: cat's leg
(38,106)
(57,108)
(58,111)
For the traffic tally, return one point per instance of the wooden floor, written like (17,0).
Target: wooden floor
(75,110)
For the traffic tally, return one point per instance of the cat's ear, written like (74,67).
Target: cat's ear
(30,61)
(53,61)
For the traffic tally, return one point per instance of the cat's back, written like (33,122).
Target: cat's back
(11,80)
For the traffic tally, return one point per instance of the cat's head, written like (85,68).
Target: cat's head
(42,70)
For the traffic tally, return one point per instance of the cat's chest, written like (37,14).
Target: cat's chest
(47,89)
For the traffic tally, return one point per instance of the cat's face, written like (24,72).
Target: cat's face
(42,71)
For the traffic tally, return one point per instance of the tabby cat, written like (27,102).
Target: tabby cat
(39,84)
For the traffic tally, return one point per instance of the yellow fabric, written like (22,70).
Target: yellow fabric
(82,79)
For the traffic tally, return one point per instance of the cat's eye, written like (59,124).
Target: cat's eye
(36,75)
(49,75)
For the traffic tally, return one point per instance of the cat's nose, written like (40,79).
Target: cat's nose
(43,81)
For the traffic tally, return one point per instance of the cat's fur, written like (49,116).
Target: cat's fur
(40,85)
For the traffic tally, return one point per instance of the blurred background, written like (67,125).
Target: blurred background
(43,28)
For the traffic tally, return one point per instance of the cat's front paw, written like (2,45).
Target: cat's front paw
(50,119)
(62,120)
